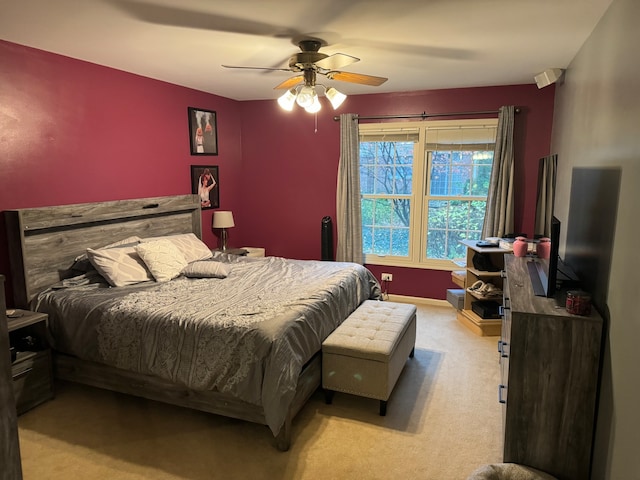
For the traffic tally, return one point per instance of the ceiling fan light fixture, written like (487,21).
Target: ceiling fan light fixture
(315,106)
(335,97)
(287,100)
(306,96)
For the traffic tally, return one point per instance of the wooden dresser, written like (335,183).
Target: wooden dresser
(549,379)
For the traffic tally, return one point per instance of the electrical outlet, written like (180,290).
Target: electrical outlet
(387,277)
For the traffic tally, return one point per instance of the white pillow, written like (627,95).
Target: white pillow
(82,263)
(162,258)
(207,269)
(189,245)
(120,266)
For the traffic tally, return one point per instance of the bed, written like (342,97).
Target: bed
(243,343)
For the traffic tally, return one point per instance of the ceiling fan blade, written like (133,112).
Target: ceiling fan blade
(258,68)
(337,60)
(183,17)
(356,78)
(410,49)
(290,82)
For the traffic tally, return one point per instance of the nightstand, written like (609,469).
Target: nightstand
(31,365)
(255,251)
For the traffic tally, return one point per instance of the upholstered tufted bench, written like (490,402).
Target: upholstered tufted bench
(365,355)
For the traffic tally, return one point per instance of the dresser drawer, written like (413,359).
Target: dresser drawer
(32,379)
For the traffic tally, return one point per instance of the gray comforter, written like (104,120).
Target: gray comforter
(248,335)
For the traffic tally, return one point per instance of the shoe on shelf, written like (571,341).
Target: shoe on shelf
(476,287)
(490,290)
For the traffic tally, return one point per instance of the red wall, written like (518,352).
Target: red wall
(73,132)
(291,166)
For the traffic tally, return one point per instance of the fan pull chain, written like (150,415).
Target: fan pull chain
(316,122)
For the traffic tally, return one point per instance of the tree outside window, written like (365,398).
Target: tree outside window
(419,198)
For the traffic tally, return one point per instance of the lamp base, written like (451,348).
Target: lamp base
(223,239)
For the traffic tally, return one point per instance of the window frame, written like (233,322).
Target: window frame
(419,199)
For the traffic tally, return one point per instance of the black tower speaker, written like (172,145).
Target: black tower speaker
(327,239)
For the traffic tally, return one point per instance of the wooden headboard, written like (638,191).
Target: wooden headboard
(43,242)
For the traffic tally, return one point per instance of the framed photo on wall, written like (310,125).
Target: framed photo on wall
(203,131)
(206,184)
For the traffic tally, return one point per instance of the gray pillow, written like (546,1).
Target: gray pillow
(207,269)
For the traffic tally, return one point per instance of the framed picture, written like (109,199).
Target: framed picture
(206,184)
(203,132)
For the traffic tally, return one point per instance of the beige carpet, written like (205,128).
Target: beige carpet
(443,421)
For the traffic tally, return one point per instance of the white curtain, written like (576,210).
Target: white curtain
(498,219)
(546,193)
(348,213)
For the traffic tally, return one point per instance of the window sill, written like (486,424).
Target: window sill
(406,263)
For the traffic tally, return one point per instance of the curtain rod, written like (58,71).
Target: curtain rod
(423,115)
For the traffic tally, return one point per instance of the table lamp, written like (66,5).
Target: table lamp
(222,219)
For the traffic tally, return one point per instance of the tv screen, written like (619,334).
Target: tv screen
(552,273)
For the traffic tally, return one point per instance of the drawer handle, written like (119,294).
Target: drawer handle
(501,349)
(504,354)
(500,399)
(22,374)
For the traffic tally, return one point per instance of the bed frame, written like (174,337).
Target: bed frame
(43,243)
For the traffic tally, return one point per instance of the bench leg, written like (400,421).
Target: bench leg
(413,352)
(383,408)
(328,396)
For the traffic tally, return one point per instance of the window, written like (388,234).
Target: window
(424,188)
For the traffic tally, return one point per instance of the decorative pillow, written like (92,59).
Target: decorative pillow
(82,263)
(162,258)
(120,266)
(207,269)
(189,245)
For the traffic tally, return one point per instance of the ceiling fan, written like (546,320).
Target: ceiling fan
(310,62)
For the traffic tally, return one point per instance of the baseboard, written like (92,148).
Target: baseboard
(418,300)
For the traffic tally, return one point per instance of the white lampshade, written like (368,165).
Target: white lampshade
(306,96)
(222,219)
(315,106)
(287,100)
(335,97)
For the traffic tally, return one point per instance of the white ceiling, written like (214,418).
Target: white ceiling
(417,44)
